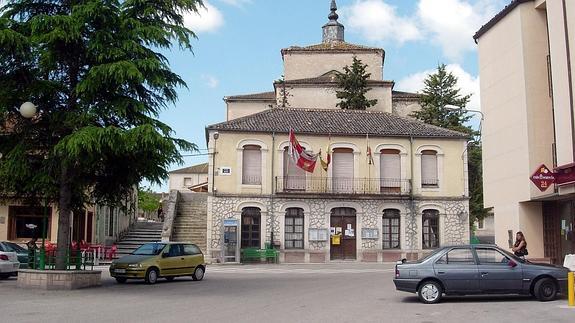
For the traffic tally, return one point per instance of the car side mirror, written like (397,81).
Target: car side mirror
(165,255)
(512,263)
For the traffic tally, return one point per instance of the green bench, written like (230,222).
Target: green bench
(256,255)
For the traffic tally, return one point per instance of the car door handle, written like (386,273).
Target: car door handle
(484,274)
(183,258)
(441,272)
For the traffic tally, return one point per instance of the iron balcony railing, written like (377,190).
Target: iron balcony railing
(355,186)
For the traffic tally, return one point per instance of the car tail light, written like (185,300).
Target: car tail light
(396,272)
(4,257)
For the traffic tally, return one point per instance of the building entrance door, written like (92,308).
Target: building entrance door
(343,234)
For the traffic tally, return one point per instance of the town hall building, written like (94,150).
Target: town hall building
(407,197)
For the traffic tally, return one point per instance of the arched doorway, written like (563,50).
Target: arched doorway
(343,223)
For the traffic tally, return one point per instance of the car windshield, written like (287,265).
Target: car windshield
(14,247)
(151,249)
(512,256)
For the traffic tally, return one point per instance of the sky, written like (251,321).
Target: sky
(239,43)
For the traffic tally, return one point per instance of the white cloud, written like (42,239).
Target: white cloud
(378,21)
(450,24)
(237,3)
(208,19)
(468,83)
(211,81)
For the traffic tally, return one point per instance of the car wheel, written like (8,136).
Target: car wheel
(170,279)
(198,273)
(430,292)
(121,280)
(151,276)
(545,289)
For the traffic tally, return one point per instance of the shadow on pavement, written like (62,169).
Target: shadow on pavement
(476,299)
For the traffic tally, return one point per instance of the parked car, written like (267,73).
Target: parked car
(478,269)
(8,264)
(160,260)
(20,251)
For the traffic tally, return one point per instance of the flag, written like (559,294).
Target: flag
(325,163)
(303,159)
(369,153)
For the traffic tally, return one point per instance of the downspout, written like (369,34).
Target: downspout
(271,211)
(411,195)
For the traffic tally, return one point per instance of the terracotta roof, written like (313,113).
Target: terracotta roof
(196,169)
(331,46)
(265,96)
(498,17)
(335,122)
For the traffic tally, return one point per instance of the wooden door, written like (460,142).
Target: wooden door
(89,227)
(343,220)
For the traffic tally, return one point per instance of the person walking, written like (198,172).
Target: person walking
(520,245)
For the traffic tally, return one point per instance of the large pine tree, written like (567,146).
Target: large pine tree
(96,71)
(441,91)
(353,85)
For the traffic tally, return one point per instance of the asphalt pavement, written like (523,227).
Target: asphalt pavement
(341,292)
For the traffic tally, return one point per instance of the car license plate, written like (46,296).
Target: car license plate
(120,271)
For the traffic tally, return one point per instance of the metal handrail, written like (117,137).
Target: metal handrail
(334,185)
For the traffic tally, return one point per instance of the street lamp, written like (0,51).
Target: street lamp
(29,110)
(464,110)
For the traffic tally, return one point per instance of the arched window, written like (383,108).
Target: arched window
(390,230)
(430,229)
(294,226)
(429,176)
(390,167)
(251,227)
(252,165)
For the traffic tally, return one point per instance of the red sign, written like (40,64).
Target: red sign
(543,178)
(565,174)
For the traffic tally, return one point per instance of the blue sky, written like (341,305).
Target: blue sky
(239,43)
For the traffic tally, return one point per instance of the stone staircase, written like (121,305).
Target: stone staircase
(190,223)
(141,233)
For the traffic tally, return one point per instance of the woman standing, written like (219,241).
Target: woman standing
(520,246)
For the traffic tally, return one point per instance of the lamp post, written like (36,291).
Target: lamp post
(464,110)
(29,110)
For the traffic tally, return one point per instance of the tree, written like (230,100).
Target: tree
(284,93)
(353,85)
(148,201)
(96,71)
(440,91)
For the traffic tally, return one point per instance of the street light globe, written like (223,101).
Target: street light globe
(28,110)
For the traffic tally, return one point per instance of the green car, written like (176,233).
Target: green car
(160,260)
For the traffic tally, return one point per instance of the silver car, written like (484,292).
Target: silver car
(9,264)
(478,269)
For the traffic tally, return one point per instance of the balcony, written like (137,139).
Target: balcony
(350,186)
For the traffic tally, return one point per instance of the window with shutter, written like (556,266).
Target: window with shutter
(294,177)
(390,166)
(252,165)
(429,169)
(342,171)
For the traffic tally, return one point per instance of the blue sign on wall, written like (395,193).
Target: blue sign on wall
(230,222)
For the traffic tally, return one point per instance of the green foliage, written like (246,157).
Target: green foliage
(354,87)
(96,71)
(147,201)
(440,91)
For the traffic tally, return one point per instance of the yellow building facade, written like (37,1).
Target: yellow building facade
(406,198)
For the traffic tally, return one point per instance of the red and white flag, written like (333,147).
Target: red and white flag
(303,159)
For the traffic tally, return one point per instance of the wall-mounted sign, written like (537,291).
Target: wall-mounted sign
(543,178)
(225,171)
(231,222)
(565,174)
